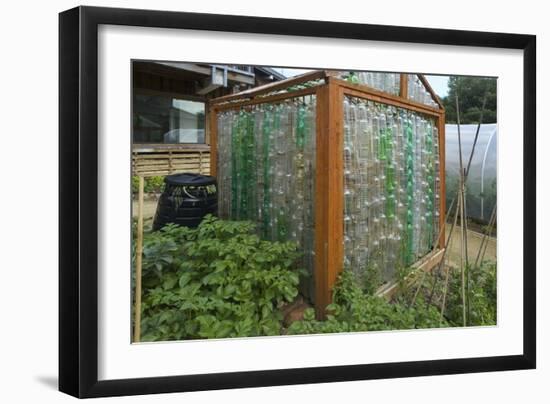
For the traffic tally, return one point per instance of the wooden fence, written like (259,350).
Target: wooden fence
(148,164)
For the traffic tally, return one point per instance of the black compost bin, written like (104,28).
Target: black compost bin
(186,199)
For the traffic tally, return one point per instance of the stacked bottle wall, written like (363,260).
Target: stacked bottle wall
(418,92)
(266,170)
(391,183)
(387,82)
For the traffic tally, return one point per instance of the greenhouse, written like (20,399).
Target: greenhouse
(348,165)
(481,189)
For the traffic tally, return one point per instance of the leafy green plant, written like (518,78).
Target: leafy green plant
(354,310)
(218,280)
(482,297)
(151,184)
(482,294)
(371,278)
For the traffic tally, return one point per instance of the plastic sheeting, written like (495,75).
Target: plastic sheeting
(266,170)
(481,185)
(391,187)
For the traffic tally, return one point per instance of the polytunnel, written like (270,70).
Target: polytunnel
(481,184)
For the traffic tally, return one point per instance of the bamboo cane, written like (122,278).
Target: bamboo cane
(464,204)
(446,285)
(440,265)
(139,252)
(465,177)
(464,228)
(489,230)
(485,235)
(440,232)
(462,212)
(462,269)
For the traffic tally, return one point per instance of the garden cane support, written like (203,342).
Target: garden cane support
(139,253)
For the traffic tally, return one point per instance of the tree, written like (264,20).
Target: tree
(471,91)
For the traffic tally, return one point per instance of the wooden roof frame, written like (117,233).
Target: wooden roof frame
(252,95)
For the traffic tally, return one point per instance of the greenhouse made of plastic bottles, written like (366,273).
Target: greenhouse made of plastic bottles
(350,166)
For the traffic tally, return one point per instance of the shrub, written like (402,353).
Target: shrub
(218,280)
(151,184)
(482,296)
(354,310)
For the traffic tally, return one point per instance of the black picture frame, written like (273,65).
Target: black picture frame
(78,201)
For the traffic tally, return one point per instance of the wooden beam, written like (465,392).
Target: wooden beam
(207,123)
(206,70)
(267,99)
(404,85)
(212,83)
(435,97)
(158,70)
(329,225)
(425,264)
(165,147)
(267,88)
(213,137)
(208,88)
(191,67)
(368,93)
(167,93)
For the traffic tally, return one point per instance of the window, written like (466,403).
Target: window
(165,119)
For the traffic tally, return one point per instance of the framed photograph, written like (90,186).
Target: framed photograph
(251,201)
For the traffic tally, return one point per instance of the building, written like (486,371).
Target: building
(169,107)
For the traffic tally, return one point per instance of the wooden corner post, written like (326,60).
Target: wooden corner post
(404,85)
(213,139)
(329,203)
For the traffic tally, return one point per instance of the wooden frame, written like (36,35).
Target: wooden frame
(78,184)
(329,183)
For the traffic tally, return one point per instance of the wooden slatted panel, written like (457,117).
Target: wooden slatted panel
(170,162)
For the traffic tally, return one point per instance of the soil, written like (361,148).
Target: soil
(294,311)
(149,209)
(474,241)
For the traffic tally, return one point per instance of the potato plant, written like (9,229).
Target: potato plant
(218,280)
